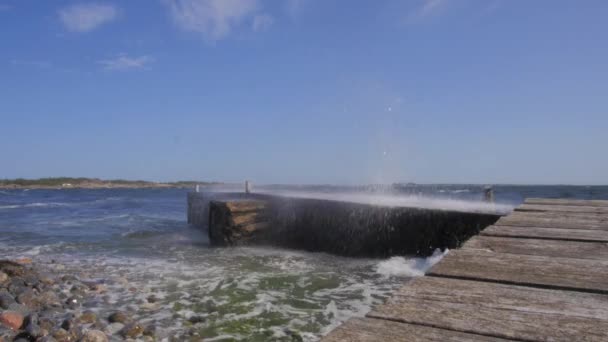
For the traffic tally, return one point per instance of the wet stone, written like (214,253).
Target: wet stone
(49,298)
(11,268)
(196,319)
(114,328)
(31,280)
(72,302)
(32,326)
(22,309)
(28,298)
(11,319)
(132,330)
(68,278)
(68,324)
(94,336)
(46,279)
(150,330)
(6,299)
(87,317)
(46,324)
(119,317)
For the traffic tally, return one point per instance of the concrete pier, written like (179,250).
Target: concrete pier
(338,227)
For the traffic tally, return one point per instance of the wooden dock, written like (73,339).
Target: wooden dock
(538,274)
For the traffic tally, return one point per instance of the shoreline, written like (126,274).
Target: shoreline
(45,303)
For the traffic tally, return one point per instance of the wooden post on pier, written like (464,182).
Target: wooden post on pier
(488,194)
(247,187)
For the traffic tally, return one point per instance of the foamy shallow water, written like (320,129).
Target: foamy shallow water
(235,293)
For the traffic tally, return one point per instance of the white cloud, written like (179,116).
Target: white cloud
(124,62)
(262,22)
(86,17)
(214,19)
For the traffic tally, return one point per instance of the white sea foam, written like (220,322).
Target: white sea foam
(30,205)
(409,201)
(412,267)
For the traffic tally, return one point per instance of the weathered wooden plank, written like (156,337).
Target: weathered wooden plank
(563,208)
(550,248)
(559,215)
(590,235)
(249,217)
(506,311)
(564,224)
(245,206)
(560,201)
(540,271)
(377,330)
(253,227)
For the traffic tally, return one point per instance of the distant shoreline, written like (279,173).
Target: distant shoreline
(93,183)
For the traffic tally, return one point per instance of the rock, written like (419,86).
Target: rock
(28,298)
(46,279)
(6,300)
(24,261)
(119,317)
(46,324)
(68,324)
(11,268)
(17,286)
(68,278)
(3,277)
(11,319)
(150,330)
(31,280)
(94,336)
(72,302)
(113,328)
(88,317)
(98,288)
(46,339)
(61,335)
(196,319)
(49,298)
(151,299)
(32,326)
(20,308)
(132,330)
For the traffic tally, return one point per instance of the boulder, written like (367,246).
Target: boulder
(11,319)
(94,336)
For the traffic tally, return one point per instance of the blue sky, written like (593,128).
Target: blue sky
(306,91)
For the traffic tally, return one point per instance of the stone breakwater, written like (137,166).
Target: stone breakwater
(38,305)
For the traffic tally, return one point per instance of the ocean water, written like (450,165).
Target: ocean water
(138,242)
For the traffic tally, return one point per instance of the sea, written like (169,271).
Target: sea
(138,241)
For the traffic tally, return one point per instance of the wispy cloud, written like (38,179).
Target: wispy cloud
(262,22)
(86,17)
(124,63)
(213,19)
